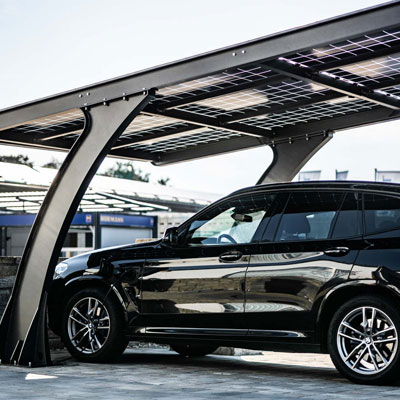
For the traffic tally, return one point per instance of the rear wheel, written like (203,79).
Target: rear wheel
(93,326)
(193,350)
(363,340)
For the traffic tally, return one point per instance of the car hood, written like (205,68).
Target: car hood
(92,258)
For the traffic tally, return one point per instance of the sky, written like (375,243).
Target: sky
(49,46)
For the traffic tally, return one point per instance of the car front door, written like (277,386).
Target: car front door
(305,249)
(197,285)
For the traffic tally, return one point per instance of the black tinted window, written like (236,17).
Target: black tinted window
(233,221)
(348,222)
(382,213)
(309,215)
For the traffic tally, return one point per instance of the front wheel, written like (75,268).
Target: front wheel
(193,350)
(363,340)
(93,326)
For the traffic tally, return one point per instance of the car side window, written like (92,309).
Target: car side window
(381,213)
(309,216)
(233,221)
(349,220)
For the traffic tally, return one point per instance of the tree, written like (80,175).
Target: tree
(126,170)
(18,159)
(163,181)
(54,164)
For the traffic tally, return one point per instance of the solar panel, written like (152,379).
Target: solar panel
(246,101)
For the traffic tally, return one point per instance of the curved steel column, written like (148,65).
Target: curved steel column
(290,157)
(23,330)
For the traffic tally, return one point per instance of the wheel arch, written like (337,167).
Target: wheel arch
(340,295)
(55,309)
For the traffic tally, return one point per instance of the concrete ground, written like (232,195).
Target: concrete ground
(161,374)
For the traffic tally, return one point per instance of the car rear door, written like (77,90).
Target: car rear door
(381,253)
(307,247)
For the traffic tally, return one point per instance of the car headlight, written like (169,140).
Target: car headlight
(60,269)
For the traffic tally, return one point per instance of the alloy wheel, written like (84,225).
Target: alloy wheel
(367,340)
(88,325)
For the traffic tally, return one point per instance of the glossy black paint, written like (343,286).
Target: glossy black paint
(273,295)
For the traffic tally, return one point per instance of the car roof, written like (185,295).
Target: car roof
(353,185)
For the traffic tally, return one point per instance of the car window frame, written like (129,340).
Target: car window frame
(185,228)
(361,204)
(329,238)
(377,193)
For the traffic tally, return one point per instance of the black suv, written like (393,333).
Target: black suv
(297,267)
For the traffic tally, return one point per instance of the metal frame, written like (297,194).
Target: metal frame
(290,157)
(22,328)
(290,91)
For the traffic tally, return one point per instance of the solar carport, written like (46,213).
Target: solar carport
(290,91)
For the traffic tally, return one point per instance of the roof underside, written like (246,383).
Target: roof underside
(31,201)
(333,75)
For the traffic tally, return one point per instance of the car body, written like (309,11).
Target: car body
(269,267)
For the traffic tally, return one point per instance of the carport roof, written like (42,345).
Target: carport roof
(31,201)
(336,74)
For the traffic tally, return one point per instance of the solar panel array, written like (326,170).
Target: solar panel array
(250,103)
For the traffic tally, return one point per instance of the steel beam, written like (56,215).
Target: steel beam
(22,328)
(332,82)
(312,99)
(209,122)
(267,48)
(129,141)
(278,108)
(34,140)
(290,157)
(281,135)
(383,51)
(341,122)
(207,150)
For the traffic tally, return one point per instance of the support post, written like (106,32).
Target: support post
(290,157)
(23,326)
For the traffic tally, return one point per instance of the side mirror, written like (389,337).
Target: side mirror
(171,236)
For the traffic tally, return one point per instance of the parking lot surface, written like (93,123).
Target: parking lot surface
(161,374)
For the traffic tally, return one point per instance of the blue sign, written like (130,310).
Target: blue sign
(28,219)
(127,220)
(139,221)
(83,219)
(17,220)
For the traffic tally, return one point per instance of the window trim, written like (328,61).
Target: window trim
(362,217)
(275,206)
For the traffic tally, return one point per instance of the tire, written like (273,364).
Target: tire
(93,326)
(357,349)
(193,350)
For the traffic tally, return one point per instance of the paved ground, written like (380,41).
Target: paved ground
(160,374)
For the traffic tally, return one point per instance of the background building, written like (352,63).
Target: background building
(112,212)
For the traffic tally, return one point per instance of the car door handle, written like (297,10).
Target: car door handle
(337,251)
(230,256)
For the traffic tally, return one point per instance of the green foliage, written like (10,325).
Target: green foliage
(18,159)
(126,170)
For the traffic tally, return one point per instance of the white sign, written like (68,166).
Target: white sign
(310,175)
(342,175)
(387,176)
